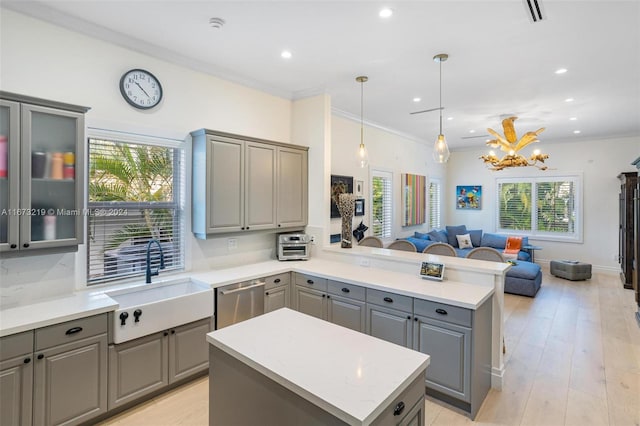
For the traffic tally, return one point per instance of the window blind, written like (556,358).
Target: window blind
(434,204)
(135,192)
(381,204)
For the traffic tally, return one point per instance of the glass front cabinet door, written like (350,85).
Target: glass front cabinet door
(42,195)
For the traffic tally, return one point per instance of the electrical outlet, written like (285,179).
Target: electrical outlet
(312,239)
(365,262)
(232,243)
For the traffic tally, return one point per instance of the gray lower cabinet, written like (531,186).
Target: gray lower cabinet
(310,295)
(389,317)
(415,417)
(277,292)
(346,305)
(16,379)
(70,372)
(459,343)
(145,365)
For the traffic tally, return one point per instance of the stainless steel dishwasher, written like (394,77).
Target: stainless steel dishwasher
(238,302)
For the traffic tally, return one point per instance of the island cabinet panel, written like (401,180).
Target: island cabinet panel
(70,371)
(405,409)
(16,379)
(277,292)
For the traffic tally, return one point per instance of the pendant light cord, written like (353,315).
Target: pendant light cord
(440,96)
(361,112)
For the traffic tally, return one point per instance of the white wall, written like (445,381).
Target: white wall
(599,161)
(46,61)
(387,151)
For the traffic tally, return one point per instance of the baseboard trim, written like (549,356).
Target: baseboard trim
(497,378)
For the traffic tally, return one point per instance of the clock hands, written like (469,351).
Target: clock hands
(143,91)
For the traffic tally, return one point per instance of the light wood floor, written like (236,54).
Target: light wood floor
(573,358)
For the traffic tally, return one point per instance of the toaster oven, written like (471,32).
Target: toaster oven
(293,246)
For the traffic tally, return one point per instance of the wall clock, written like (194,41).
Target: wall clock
(140,89)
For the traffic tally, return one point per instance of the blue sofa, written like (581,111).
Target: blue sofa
(524,278)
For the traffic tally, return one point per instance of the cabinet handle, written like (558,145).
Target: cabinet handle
(415,318)
(441,311)
(27,360)
(345,290)
(277,280)
(123,318)
(324,295)
(309,281)
(173,332)
(14,246)
(25,245)
(242,229)
(408,317)
(40,356)
(165,334)
(399,409)
(266,293)
(328,296)
(388,300)
(247,228)
(73,330)
(279,225)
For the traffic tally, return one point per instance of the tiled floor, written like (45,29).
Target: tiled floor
(573,358)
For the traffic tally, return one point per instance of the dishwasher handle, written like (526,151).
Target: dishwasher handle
(237,290)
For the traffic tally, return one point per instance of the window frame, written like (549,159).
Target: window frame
(178,188)
(534,234)
(385,174)
(438,183)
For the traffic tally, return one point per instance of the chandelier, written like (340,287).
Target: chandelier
(511,145)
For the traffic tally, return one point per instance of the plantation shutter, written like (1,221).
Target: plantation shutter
(515,206)
(556,206)
(434,204)
(135,194)
(381,204)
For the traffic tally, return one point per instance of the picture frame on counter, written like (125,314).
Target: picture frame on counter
(432,271)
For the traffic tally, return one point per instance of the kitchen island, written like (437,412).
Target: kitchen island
(288,368)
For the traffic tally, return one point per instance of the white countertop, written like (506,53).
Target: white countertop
(92,301)
(346,373)
(455,293)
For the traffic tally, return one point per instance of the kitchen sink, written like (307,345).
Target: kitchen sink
(151,308)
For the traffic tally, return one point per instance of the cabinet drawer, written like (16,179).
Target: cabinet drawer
(401,405)
(277,280)
(311,282)
(392,300)
(346,290)
(70,331)
(443,312)
(16,345)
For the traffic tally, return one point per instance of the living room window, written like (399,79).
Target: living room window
(434,203)
(381,205)
(134,196)
(544,208)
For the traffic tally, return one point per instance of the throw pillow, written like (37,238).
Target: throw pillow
(452,231)
(464,241)
(421,235)
(439,236)
(476,236)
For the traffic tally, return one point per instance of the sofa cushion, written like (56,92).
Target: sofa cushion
(421,235)
(438,236)
(420,243)
(464,241)
(476,236)
(452,231)
(495,241)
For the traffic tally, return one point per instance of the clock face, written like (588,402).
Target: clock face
(141,89)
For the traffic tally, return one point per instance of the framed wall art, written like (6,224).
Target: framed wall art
(359,189)
(469,197)
(359,208)
(339,185)
(413,199)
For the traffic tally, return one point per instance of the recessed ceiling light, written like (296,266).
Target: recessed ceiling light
(561,71)
(286,54)
(385,13)
(417,99)
(472,131)
(576,131)
(449,118)
(573,118)
(569,100)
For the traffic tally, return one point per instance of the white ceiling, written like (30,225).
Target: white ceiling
(499,61)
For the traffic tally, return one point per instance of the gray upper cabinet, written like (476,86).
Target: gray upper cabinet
(245,184)
(42,194)
(292,187)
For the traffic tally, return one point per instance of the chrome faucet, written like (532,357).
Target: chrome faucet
(157,271)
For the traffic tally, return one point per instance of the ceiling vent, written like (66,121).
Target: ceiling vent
(534,10)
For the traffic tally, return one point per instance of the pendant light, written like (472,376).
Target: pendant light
(440,148)
(363,155)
